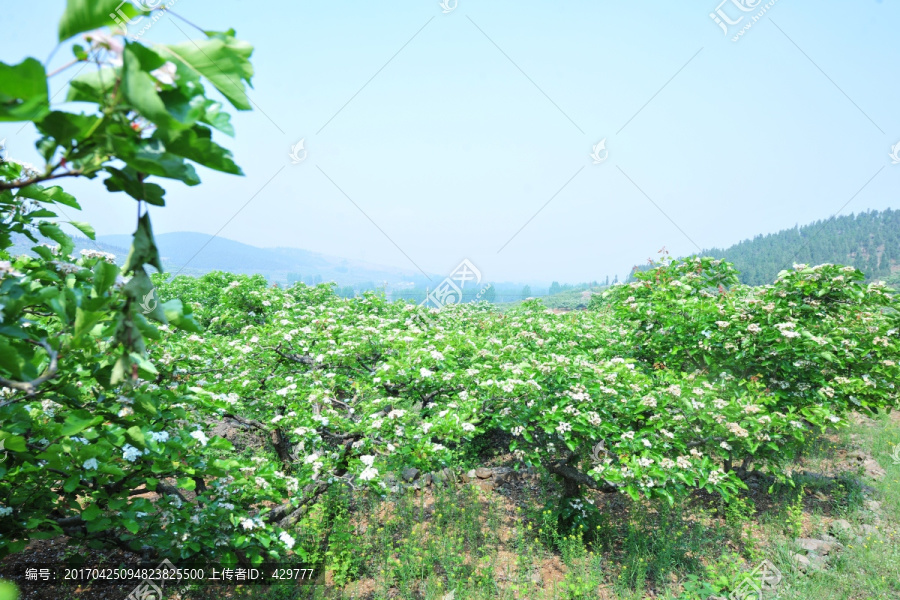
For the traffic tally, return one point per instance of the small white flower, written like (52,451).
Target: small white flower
(369,473)
(130,453)
(159,436)
(286,539)
(91,463)
(200,437)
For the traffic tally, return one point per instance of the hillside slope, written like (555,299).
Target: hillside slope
(869,241)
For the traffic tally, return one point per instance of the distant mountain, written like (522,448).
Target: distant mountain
(197,253)
(869,241)
(191,253)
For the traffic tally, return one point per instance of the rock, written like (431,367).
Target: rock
(409,474)
(470,476)
(841,527)
(536,578)
(821,547)
(486,484)
(817,563)
(873,505)
(869,530)
(483,473)
(801,561)
(428,478)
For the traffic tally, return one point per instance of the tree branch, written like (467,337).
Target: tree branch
(30,387)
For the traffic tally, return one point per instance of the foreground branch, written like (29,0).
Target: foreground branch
(573,477)
(30,387)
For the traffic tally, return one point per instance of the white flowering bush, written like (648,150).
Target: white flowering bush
(114,403)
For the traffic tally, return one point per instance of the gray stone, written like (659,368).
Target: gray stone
(841,527)
(821,547)
(428,478)
(869,530)
(470,476)
(483,473)
(873,505)
(410,474)
(817,563)
(801,561)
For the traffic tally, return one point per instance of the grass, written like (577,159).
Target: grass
(468,543)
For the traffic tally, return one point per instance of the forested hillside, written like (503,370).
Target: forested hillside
(869,241)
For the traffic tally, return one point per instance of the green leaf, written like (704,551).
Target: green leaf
(91,512)
(214,117)
(136,435)
(56,234)
(84,228)
(104,276)
(127,180)
(220,443)
(15,443)
(71,483)
(98,525)
(175,314)
(11,359)
(150,156)
(23,95)
(196,144)
(221,59)
(66,128)
(8,590)
(85,320)
(85,15)
(143,250)
(131,525)
(78,421)
(139,88)
(186,483)
(53,195)
(92,85)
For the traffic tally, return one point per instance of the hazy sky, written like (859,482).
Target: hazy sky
(451,131)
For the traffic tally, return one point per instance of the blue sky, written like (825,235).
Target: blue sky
(435,137)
